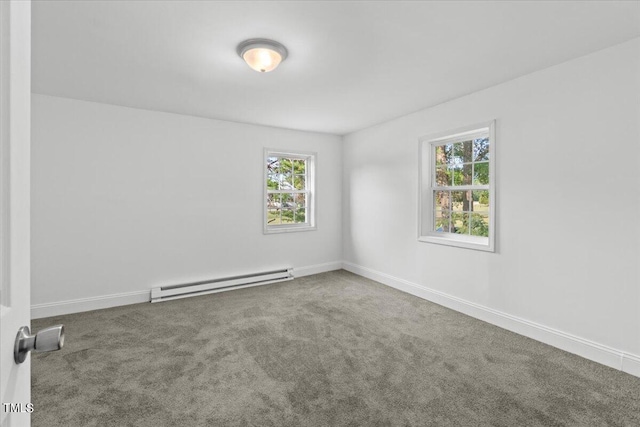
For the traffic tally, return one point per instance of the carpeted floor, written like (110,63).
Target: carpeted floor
(333,349)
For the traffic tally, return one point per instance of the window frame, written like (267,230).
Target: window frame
(310,207)
(427,186)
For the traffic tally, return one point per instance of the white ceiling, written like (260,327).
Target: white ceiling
(350,65)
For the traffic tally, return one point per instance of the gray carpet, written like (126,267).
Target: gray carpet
(327,350)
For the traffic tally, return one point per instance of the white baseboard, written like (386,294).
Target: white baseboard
(59,308)
(631,364)
(317,269)
(591,350)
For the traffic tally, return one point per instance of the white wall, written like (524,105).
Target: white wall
(124,200)
(568,235)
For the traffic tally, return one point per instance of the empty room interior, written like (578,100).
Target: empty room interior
(306,213)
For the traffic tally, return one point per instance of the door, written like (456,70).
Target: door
(15,122)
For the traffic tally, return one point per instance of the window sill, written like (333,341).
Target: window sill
(460,241)
(288,229)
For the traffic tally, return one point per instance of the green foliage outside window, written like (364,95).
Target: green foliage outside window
(462,164)
(285,174)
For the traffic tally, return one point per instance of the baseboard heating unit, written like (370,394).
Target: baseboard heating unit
(166,293)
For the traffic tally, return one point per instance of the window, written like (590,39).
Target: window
(289,191)
(457,188)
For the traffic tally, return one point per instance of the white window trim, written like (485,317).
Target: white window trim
(311,158)
(426,149)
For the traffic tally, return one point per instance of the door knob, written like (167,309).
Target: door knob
(49,339)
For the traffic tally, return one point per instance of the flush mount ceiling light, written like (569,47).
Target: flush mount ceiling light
(262,55)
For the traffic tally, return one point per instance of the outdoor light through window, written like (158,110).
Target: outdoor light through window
(261,54)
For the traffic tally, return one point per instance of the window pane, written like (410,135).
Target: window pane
(467,172)
(462,175)
(457,200)
(300,201)
(457,175)
(299,166)
(441,155)
(286,182)
(467,152)
(300,216)
(480,224)
(461,200)
(443,176)
(467,200)
(285,165)
(273,216)
(287,201)
(272,165)
(455,161)
(287,216)
(481,201)
(454,174)
(460,222)
(299,182)
(481,173)
(480,149)
(462,153)
(441,200)
(441,221)
(273,182)
(273,201)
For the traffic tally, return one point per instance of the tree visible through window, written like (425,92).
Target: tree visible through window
(462,165)
(457,188)
(288,191)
